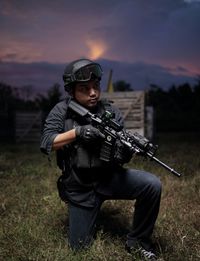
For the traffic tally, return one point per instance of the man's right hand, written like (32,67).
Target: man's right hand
(88,133)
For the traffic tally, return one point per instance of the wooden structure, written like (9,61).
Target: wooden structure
(132,106)
(28,126)
(137,117)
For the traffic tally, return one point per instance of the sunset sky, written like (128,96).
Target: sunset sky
(160,38)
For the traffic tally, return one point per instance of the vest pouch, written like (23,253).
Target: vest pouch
(62,188)
(86,158)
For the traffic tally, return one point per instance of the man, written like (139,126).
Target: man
(87,181)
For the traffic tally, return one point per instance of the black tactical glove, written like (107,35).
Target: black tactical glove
(88,133)
(123,154)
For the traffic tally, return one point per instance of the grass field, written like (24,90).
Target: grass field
(34,220)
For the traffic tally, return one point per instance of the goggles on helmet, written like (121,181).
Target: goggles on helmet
(84,74)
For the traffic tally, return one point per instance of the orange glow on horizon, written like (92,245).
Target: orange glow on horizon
(97,49)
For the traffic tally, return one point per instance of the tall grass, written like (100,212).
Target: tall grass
(34,221)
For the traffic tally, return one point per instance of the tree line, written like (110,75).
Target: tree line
(12,99)
(175,109)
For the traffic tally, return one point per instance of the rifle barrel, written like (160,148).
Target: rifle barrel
(164,165)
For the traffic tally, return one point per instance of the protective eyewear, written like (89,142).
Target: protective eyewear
(85,73)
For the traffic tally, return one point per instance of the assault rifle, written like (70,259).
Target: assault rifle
(113,131)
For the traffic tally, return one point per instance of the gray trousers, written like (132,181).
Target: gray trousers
(126,184)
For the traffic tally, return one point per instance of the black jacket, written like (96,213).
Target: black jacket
(79,183)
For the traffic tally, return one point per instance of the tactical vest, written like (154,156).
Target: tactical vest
(77,155)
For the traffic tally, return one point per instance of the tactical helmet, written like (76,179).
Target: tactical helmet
(81,70)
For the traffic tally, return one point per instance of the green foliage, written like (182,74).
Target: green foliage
(12,98)
(46,103)
(177,109)
(122,86)
(7,97)
(15,98)
(34,221)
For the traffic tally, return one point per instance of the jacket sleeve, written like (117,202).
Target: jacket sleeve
(54,124)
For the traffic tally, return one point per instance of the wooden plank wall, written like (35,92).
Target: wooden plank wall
(28,126)
(132,106)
